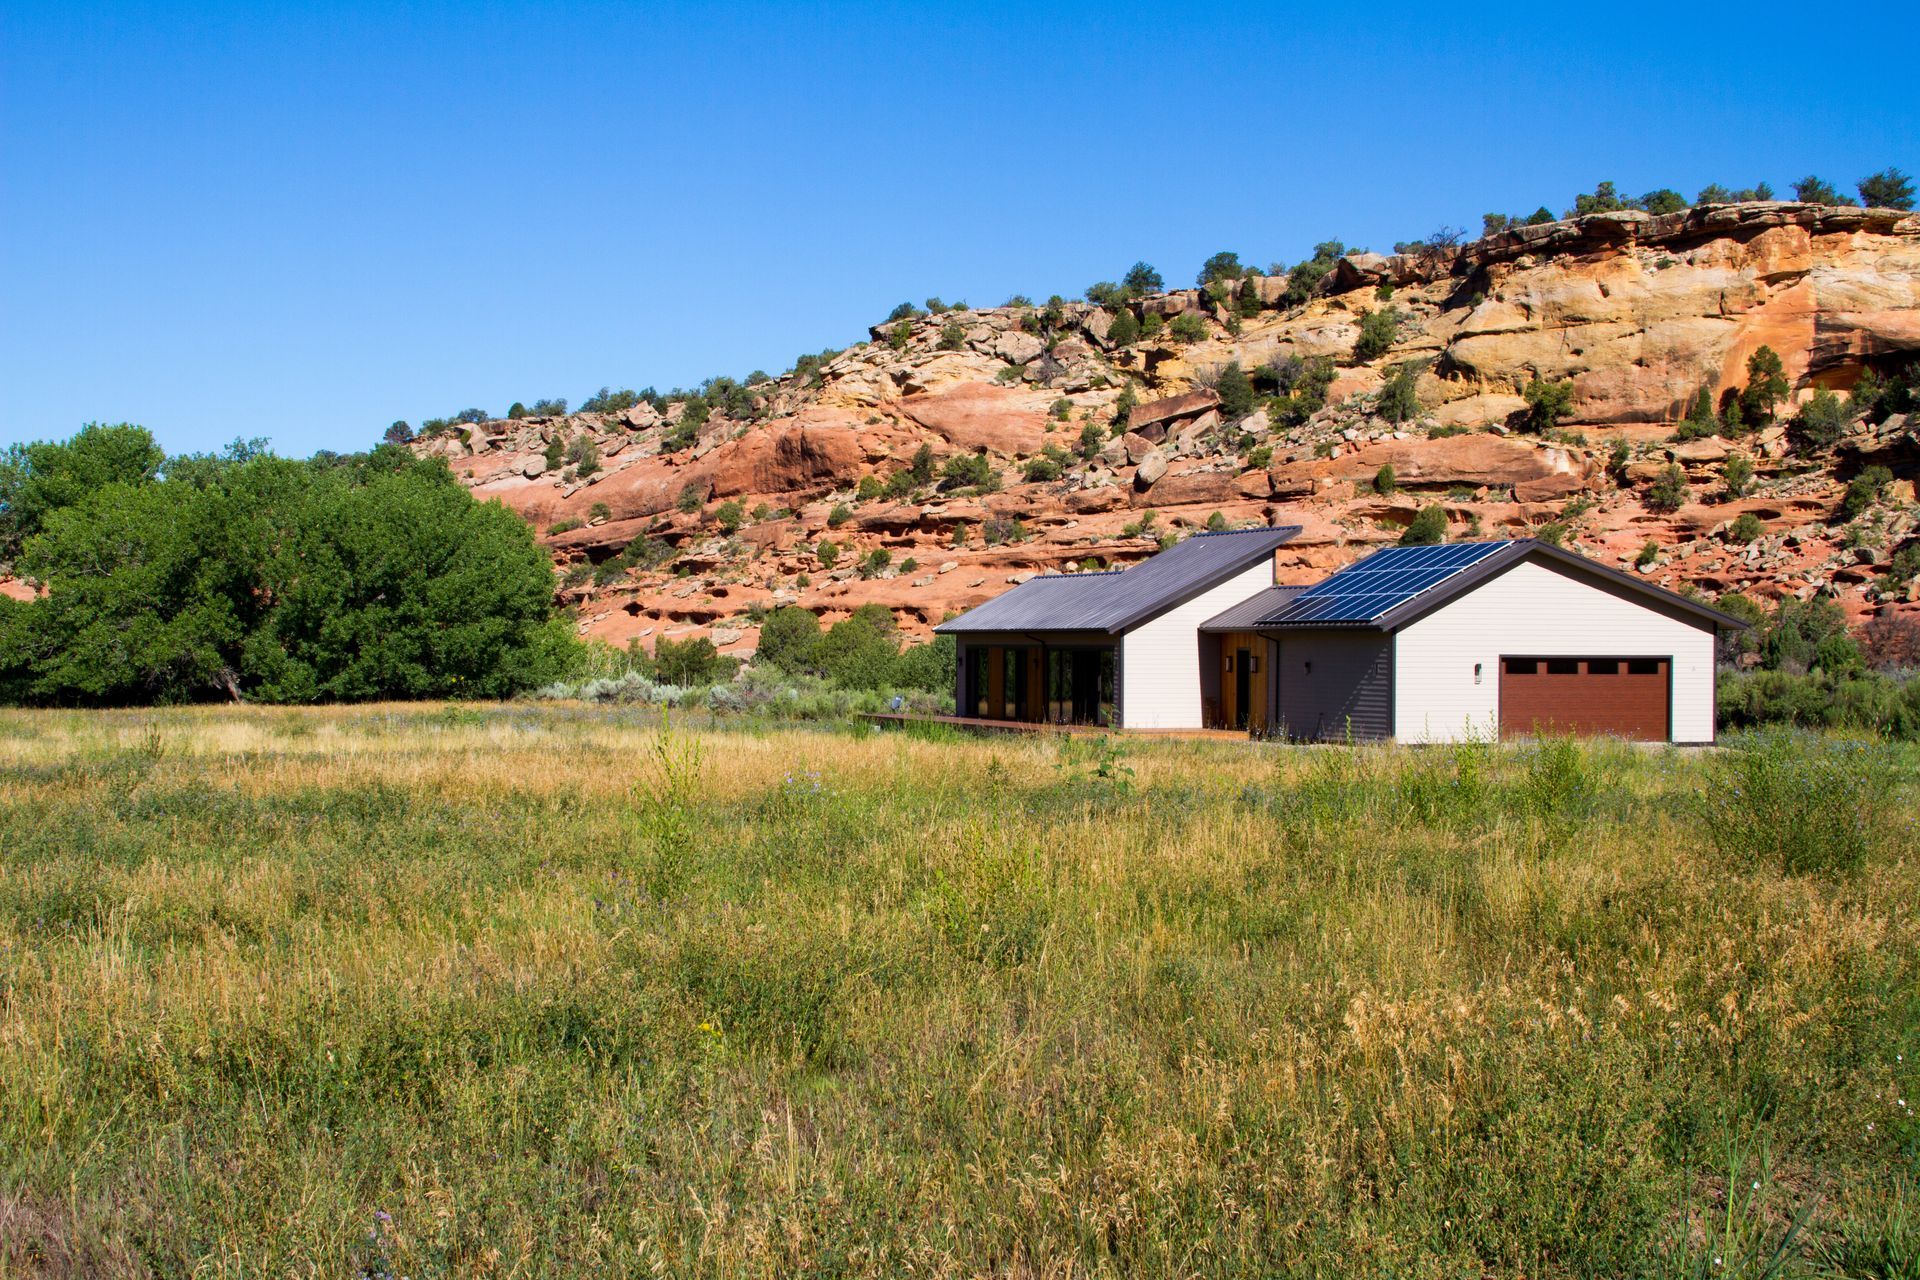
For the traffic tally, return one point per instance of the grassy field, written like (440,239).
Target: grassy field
(547,990)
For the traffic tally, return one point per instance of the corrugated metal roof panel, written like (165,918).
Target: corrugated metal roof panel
(1113,602)
(1242,616)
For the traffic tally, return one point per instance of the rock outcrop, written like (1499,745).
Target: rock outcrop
(1634,314)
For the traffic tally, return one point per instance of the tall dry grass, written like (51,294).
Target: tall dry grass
(525,991)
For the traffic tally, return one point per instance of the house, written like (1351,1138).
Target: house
(1418,644)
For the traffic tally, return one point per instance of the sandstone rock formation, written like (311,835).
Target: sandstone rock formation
(1636,313)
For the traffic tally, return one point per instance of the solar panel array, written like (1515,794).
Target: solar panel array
(1383,581)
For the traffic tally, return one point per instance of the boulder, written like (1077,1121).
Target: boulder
(1159,413)
(1018,348)
(1190,488)
(1151,468)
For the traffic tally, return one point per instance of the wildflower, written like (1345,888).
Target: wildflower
(383,1215)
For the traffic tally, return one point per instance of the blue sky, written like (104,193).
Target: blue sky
(304,222)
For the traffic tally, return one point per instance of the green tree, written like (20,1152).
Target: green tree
(1221,266)
(929,667)
(1812,190)
(1125,329)
(788,640)
(1665,200)
(692,494)
(1384,480)
(1141,280)
(861,651)
(1547,403)
(1605,199)
(1745,528)
(41,478)
(692,662)
(1429,527)
(827,553)
(953,336)
(1306,276)
(730,515)
(1766,387)
(1187,327)
(398,433)
(1887,189)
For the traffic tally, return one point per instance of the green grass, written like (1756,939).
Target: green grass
(539,990)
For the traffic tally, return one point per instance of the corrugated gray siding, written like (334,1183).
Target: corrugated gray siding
(1349,690)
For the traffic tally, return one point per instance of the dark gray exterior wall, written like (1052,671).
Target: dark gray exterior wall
(1348,691)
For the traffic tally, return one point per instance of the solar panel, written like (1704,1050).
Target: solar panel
(1381,582)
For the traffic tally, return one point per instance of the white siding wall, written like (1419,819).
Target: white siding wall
(1160,660)
(1533,609)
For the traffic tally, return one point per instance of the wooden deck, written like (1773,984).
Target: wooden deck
(890,719)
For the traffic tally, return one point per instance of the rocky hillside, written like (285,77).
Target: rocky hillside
(956,453)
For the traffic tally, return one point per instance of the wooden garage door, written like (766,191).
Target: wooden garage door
(1623,696)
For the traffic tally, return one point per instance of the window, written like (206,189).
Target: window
(1016,684)
(1643,666)
(1603,666)
(978,681)
(1522,666)
(1563,666)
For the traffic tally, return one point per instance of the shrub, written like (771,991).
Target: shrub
(1187,327)
(1428,527)
(1221,266)
(730,515)
(861,651)
(1745,528)
(599,511)
(692,494)
(516,411)
(1796,801)
(584,456)
(1669,490)
(1125,330)
(1864,490)
(999,529)
(827,553)
(1384,480)
(1306,276)
(1092,440)
(607,400)
(548,409)
(1820,422)
(1152,325)
(901,335)
(562,526)
(1547,403)
(875,562)
(905,311)
(1047,467)
(953,336)
(1737,475)
(1378,329)
(1216,523)
(968,471)
(399,433)
(1063,409)
(555,453)
(869,487)
(840,514)
(690,662)
(1237,398)
(1260,457)
(1398,401)
(1649,552)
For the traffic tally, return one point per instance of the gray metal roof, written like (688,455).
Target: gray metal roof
(1243,616)
(1115,601)
(1489,560)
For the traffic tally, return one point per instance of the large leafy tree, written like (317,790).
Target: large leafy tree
(41,478)
(253,576)
(403,586)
